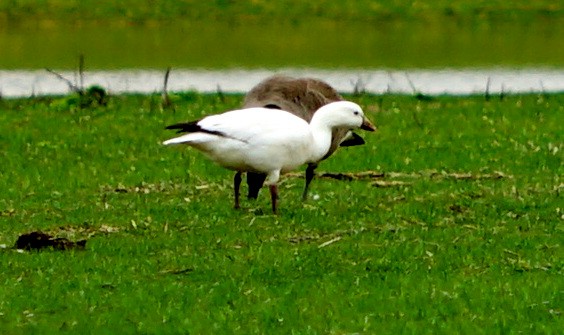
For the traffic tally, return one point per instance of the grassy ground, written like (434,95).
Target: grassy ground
(464,234)
(157,10)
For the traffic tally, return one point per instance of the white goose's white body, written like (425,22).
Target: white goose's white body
(272,142)
(252,140)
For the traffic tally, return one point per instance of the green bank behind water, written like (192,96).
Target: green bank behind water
(285,10)
(325,34)
(462,233)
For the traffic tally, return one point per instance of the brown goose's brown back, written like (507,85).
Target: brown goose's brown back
(301,97)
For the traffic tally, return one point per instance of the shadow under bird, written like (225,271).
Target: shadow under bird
(301,97)
(257,140)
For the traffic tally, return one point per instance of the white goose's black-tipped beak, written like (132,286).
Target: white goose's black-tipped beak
(367,125)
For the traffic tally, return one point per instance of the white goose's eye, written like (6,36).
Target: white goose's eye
(355,112)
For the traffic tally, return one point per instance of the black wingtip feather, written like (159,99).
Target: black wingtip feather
(192,127)
(272,106)
(186,127)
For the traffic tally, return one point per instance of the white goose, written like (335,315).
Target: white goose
(252,140)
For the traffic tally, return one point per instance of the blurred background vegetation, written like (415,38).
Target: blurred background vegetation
(128,11)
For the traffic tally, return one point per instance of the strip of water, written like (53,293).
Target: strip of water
(25,83)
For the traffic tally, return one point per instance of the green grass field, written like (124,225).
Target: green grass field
(462,234)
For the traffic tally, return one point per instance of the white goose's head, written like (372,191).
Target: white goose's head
(343,114)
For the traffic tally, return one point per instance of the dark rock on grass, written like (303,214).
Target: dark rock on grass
(39,241)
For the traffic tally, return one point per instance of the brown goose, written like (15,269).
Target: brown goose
(301,97)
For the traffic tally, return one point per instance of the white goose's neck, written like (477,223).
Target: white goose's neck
(322,134)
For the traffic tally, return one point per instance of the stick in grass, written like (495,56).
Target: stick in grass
(166,98)
(81,71)
(419,96)
(487,94)
(69,83)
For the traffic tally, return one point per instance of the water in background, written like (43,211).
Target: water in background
(390,56)
(430,82)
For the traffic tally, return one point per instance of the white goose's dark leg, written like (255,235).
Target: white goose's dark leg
(274,197)
(272,180)
(236,186)
(309,174)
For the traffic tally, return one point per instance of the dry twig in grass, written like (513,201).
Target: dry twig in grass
(350,176)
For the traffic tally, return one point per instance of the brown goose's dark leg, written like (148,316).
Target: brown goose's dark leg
(309,174)
(255,182)
(236,185)
(273,197)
